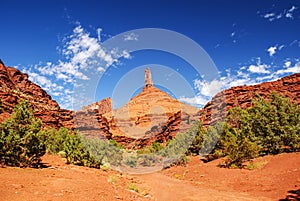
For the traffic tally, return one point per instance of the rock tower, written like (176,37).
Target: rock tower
(148,79)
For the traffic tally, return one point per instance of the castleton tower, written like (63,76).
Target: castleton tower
(148,78)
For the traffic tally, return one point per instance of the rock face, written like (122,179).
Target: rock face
(150,116)
(14,85)
(90,122)
(241,96)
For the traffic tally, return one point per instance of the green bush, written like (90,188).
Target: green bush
(153,148)
(21,141)
(273,124)
(177,149)
(104,151)
(79,150)
(54,139)
(276,124)
(269,127)
(76,152)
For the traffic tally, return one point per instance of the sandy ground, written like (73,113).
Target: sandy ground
(273,178)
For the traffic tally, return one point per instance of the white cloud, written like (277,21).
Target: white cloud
(208,88)
(289,13)
(287,64)
(290,69)
(258,68)
(292,9)
(61,76)
(266,78)
(272,50)
(100,69)
(196,100)
(82,56)
(269,16)
(131,37)
(286,13)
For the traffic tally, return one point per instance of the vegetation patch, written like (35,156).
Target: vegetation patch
(133,187)
(21,140)
(256,165)
(269,127)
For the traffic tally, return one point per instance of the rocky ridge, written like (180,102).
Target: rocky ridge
(14,86)
(215,110)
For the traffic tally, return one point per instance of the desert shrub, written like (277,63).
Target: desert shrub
(238,148)
(148,159)
(177,149)
(21,141)
(116,144)
(133,186)
(276,123)
(207,141)
(54,139)
(130,160)
(79,150)
(76,152)
(153,148)
(104,151)
(273,124)
(269,127)
(200,132)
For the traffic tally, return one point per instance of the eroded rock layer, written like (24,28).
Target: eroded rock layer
(215,110)
(14,86)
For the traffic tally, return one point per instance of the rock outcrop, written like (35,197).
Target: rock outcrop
(150,116)
(241,96)
(90,122)
(14,85)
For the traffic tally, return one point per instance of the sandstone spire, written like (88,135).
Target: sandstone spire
(148,79)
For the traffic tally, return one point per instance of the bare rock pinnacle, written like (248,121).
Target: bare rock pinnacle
(148,79)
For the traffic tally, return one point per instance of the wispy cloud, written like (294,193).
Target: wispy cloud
(131,37)
(81,53)
(287,13)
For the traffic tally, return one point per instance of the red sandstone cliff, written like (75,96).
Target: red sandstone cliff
(215,110)
(14,85)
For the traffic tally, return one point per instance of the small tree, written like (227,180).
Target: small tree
(76,152)
(20,140)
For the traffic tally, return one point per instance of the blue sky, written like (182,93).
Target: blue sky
(63,46)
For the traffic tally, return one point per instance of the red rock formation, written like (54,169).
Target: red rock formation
(150,116)
(241,96)
(14,85)
(90,122)
(153,114)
